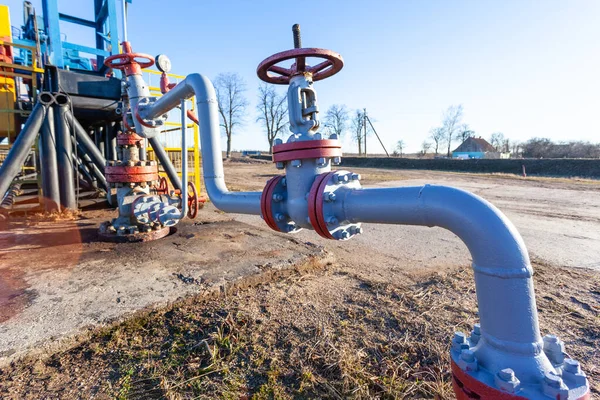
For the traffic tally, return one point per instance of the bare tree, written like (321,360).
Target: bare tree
(357,129)
(497,140)
(400,146)
(425,146)
(273,111)
(516,148)
(336,119)
(464,132)
(451,123)
(437,135)
(230,88)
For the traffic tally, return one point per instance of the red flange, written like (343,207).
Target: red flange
(315,205)
(305,149)
(265,202)
(128,61)
(467,387)
(131,174)
(130,139)
(332,65)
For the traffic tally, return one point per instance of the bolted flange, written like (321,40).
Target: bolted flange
(274,207)
(323,208)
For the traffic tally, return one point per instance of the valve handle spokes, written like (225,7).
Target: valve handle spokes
(192,201)
(270,72)
(130,62)
(163,186)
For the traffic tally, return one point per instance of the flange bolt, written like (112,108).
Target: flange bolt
(459,341)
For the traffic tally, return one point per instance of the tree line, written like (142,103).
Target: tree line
(272,113)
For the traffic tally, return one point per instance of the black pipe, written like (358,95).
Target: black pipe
(48,164)
(163,158)
(87,143)
(17,155)
(87,161)
(84,172)
(64,154)
(11,195)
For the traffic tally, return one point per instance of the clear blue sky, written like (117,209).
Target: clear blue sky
(524,68)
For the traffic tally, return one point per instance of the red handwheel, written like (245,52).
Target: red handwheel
(270,72)
(192,201)
(130,62)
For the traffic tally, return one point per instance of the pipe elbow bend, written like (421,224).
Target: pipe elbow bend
(495,244)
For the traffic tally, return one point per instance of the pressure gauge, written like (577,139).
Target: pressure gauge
(163,63)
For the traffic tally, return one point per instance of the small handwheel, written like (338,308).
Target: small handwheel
(192,201)
(332,65)
(163,186)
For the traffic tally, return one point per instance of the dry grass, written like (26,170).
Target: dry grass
(324,335)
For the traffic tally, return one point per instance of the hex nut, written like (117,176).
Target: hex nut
(554,349)
(468,361)
(573,373)
(475,335)
(553,387)
(507,381)
(458,341)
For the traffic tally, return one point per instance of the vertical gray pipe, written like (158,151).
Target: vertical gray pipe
(503,273)
(64,153)
(17,155)
(163,158)
(48,164)
(143,153)
(210,141)
(87,143)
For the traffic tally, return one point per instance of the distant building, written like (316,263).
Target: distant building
(476,148)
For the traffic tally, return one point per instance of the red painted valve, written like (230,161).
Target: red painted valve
(192,201)
(128,61)
(332,65)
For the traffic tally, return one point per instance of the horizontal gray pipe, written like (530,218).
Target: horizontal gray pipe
(210,142)
(17,155)
(503,273)
(87,143)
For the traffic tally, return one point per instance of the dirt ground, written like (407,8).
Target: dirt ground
(373,322)
(57,279)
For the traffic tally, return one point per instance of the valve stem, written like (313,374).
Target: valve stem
(297,38)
